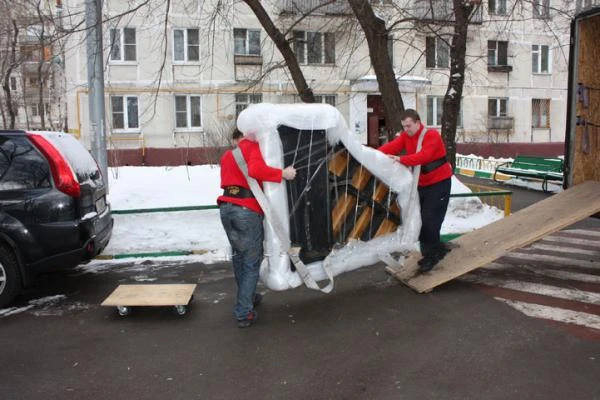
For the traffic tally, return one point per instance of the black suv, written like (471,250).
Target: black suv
(53,208)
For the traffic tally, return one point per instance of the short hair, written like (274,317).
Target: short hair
(410,113)
(237,134)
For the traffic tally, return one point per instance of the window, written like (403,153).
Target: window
(188,112)
(21,167)
(437,53)
(186,45)
(541,9)
(326,98)
(435,109)
(583,4)
(497,7)
(124,112)
(497,107)
(314,47)
(540,59)
(246,42)
(243,100)
(33,82)
(122,44)
(497,53)
(34,110)
(13,83)
(540,113)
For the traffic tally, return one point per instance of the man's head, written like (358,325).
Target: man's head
(236,136)
(411,122)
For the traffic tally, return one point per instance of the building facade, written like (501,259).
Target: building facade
(177,78)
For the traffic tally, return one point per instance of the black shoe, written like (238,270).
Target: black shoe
(248,321)
(426,264)
(258,298)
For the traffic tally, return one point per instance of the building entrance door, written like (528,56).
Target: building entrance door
(377,131)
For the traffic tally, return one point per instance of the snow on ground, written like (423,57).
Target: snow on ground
(151,187)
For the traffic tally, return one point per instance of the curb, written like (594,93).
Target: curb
(482,174)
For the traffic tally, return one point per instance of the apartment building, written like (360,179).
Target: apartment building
(31,68)
(177,78)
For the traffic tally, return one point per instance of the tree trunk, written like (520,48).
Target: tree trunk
(377,39)
(452,99)
(305,92)
(12,113)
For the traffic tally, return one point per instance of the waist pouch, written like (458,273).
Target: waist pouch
(237,191)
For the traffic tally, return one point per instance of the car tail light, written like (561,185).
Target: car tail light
(63,175)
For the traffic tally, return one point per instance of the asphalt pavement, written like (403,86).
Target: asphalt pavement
(371,338)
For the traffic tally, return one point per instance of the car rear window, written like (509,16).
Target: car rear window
(21,165)
(79,158)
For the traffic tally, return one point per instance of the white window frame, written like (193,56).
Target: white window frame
(301,47)
(435,107)
(583,5)
(537,57)
(498,107)
(441,50)
(330,99)
(243,100)
(186,46)
(122,45)
(126,117)
(497,7)
(496,52)
(189,126)
(542,115)
(247,42)
(541,9)
(436,111)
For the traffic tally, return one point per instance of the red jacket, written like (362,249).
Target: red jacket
(232,175)
(432,149)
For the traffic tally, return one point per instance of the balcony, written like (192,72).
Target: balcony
(330,7)
(441,11)
(504,123)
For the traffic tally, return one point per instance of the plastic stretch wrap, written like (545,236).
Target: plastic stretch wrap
(260,122)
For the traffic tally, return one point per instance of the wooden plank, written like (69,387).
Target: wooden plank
(486,244)
(150,295)
(339,163)
(340,212)
(361,223)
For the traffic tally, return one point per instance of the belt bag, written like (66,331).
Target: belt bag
(427,168)
(237,191)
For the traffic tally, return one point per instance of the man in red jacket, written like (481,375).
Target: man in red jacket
(242,219)
(434,181)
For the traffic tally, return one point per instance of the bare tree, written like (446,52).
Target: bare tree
(377,39)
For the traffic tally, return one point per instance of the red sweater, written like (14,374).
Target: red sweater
(232,175)
(432,149)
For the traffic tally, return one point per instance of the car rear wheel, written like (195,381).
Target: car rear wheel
(10,279)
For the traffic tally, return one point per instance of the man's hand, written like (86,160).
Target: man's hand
(289,173)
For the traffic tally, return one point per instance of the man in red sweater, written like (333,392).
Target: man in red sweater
(434,181)
(242,219)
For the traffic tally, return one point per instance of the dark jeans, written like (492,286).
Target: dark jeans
(434,203)
(244,230)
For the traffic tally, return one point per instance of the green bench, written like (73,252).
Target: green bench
(544,168)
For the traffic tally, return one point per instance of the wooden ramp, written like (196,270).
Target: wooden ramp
(482,246)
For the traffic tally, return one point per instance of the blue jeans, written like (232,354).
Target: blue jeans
(244,229)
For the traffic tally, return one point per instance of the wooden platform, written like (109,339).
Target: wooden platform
(150,295)
(484,245)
